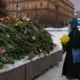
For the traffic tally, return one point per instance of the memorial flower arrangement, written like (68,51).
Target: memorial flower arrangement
(22,37)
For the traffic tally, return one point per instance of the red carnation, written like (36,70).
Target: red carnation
(39,27)
(9,61)
(38,40)
(11,17)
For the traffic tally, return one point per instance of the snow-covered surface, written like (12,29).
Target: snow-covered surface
(8,67)
(51,52)
(57,29)
(54,73)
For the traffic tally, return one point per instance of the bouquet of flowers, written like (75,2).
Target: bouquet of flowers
(64,40)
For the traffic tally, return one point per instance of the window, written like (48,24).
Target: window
(41,4)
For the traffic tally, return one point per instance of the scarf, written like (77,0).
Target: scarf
(69,31)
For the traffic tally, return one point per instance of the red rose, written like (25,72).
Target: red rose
(39,27)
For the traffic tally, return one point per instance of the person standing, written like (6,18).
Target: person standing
(71,70)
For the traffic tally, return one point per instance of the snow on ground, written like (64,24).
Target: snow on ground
(55,72)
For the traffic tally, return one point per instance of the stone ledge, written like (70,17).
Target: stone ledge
(32,69)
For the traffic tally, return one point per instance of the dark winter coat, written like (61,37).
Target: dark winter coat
(69,69)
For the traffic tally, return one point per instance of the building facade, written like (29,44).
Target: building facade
(47,11)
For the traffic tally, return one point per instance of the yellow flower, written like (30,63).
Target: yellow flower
(14,17)
(24,18)
(8,17)
(65,38)
(16,24)
(19,22)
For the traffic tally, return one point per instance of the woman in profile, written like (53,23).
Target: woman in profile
(71,70)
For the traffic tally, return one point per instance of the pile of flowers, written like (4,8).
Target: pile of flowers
(64,40)
(20,38)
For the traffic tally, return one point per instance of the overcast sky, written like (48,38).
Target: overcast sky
(77,4)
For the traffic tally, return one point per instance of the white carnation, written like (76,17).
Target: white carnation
(33,37)
(8,35)
(28,19)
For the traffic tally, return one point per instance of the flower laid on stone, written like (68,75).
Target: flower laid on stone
(55,45)
(20,37)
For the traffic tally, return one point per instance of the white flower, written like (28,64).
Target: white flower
(31,22)
(25,31)
(28,19)
(8,35)
(16,24)
(3,51)
(40,50)
(24,18)
(33,37)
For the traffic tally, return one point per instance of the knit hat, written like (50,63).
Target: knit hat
(74,22)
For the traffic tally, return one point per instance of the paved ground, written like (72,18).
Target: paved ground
(54,73)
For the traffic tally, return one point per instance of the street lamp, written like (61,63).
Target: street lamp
(59,20)
(17,8)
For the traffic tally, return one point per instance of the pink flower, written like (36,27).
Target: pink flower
(2,50)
